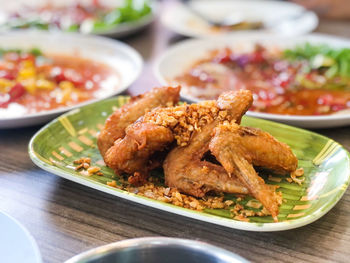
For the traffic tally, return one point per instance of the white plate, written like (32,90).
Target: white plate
(286,18)
(118,31)
(16,243)
(181,56)
(124,59)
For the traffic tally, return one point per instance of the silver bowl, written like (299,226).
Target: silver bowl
(157,250)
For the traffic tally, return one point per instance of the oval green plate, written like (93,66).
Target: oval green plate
(326,165)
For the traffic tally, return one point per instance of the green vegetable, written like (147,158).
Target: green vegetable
(113,18)
(39,25)
(336,61)
(13,50)
(129,12)
(332,71)
(24,23)
(73,28)
(34,51)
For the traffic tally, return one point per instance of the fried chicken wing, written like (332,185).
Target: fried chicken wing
(267,152)
(239,148)
(184,167)
(144,134)
(133,153)
(258,147)
(117,122)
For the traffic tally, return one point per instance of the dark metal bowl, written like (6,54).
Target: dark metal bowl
(157,250)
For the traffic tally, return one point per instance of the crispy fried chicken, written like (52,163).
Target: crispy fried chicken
(118,121)
(184,167)
(239,148)
(137,137)
(180,121)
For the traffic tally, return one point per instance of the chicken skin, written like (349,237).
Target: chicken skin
(184,168)
(133,153)
(239,148)
(117,122)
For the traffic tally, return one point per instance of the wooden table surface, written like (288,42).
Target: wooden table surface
(66,218)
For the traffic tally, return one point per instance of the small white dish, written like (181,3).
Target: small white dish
(181,56)
(281,18)
(125,60)
(16,243)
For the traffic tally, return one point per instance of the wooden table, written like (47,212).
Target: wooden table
(66,218)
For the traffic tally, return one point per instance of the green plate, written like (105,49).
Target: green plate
(325,162)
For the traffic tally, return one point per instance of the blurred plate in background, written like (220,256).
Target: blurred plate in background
(179,59)
(126,62)
(114,18)
(278,17)
(16,243)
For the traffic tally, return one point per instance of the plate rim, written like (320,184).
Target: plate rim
(29,236)
(208,218)
(252,36)
(204,35)
(127,49)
